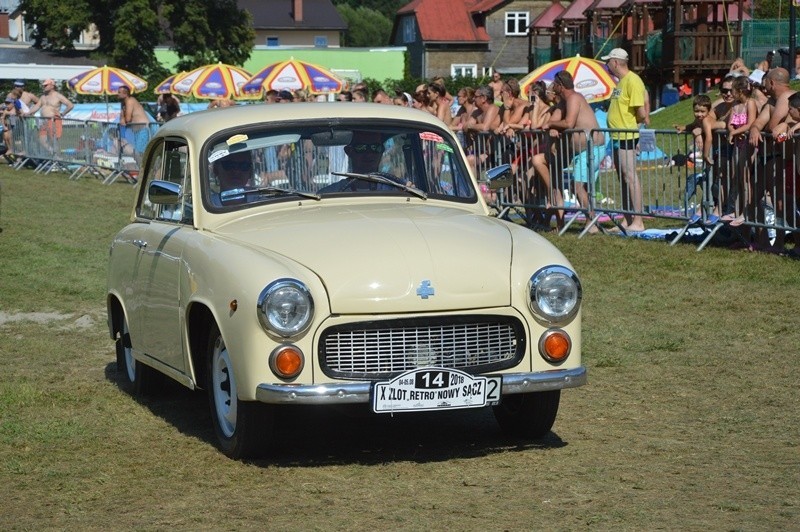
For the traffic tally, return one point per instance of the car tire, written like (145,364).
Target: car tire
(528,415)
(243,428)
(139,378)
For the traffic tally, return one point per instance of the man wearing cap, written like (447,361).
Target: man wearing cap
(50,108)
(8,115)
(627,110)
(24,99)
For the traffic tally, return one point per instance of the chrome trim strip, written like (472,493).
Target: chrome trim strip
(359,392)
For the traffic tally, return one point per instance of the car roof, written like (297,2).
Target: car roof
(202,124)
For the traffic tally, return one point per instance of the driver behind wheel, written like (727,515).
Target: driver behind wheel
(233,171)
(365,151)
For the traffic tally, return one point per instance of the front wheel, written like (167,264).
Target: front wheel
(528,415)
(242,427)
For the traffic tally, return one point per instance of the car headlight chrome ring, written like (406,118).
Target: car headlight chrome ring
(285,307)
(554,294)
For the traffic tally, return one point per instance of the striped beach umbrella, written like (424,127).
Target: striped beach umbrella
(293,75)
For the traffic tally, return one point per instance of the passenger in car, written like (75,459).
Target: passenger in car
(234,171)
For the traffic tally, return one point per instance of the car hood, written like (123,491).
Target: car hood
(390,258)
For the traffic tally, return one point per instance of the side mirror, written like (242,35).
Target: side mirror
(499,177)
(164,193)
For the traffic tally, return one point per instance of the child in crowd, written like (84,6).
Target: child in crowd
(701,106)
(742,115)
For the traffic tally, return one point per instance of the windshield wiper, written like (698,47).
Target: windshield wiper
(285,192)
(375,177)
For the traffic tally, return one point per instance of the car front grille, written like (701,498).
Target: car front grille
(383,349)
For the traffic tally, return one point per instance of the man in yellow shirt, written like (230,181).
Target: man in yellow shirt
(627,110)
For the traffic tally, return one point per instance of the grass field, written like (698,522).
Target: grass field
(690,419)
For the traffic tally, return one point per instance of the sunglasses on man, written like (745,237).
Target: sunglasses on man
(361,148)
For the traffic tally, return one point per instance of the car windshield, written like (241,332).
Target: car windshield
(316,163)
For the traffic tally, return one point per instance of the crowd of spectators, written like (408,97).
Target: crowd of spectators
(745,135)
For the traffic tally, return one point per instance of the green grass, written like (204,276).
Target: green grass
(689,420)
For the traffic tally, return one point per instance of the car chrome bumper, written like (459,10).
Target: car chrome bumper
(359,392)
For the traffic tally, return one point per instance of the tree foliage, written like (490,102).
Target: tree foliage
(365,26)
(201,31)
(771,9)
(208,31)
(58,24)
(387,8)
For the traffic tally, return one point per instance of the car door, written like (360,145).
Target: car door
(161,267)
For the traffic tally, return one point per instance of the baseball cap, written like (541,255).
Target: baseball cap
(285,95)
(19,83)
(9,99)
(616,53)
(756,76)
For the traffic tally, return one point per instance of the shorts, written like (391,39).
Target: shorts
(140,140)
(51,127)
(580,164)
(629,144)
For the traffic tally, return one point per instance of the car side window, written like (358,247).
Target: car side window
(168,162)
(176,158)
(153,171)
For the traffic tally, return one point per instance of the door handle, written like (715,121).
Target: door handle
(141,244)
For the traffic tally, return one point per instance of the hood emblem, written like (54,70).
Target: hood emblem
(425,289)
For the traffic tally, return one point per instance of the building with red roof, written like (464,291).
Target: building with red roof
(466,37)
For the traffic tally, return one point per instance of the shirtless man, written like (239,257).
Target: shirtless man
(486,122)
(497,86)
(24,98)
(514,110)
(770,163)
(132,116)
(578,115)
(50,108)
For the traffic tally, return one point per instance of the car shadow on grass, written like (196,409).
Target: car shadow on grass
(312,436)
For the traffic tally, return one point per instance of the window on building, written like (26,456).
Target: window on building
(517,22)
(464,71)
(408,30)
(273,41)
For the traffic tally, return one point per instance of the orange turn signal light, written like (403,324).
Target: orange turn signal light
(287,361)
(555,345)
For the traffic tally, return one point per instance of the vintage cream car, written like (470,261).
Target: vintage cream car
(327,254)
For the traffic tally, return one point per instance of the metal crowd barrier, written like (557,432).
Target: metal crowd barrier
(572,175)
(674,181)
(107,151)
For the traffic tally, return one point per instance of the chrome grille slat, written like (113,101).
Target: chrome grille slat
(379,349)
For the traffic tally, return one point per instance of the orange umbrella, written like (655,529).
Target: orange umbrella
(165,87)
(293,75)
(106,80)
(591,77)
(211,82)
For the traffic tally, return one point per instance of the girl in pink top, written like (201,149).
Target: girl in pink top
(742,115)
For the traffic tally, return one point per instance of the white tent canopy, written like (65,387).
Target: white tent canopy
(33,73)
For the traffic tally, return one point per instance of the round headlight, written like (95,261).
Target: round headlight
(285,307)
(555,293)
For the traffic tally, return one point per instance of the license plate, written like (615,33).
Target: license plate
(435,389)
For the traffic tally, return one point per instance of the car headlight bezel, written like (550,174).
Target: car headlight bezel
(292,294)
(545,304)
